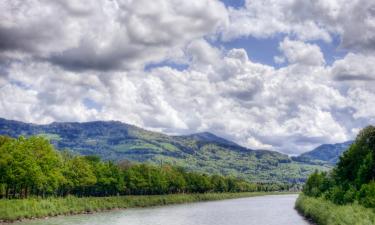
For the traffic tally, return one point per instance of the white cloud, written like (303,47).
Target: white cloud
(263,19)
(107,35)
(301,53)
(69,61)
(354,67)
(363,102)
(353,21)
(289,109)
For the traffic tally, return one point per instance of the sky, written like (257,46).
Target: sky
(268,74)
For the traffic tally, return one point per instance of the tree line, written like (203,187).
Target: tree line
(353,178)
(32,167)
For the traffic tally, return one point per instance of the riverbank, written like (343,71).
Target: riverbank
(18,209)
(323,212)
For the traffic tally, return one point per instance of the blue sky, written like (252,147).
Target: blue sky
(234,3)
(262,49)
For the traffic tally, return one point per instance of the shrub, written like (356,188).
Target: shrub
(350,195)
(366,195)
(324,212)
(336,195)
(316,184)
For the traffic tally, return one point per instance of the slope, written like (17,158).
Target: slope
(204,152)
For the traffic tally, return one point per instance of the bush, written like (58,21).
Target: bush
(350,195)
(366,195)
(316,184)
(336,195)
(340,195)
(324,212)
(353,177)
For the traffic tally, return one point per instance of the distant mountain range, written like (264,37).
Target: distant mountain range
(204,152)
(326,153)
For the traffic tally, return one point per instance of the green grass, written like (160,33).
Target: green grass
(12,210)
(324,212)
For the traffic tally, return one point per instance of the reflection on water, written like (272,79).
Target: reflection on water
(264,210)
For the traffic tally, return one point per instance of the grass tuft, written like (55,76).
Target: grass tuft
(323,212)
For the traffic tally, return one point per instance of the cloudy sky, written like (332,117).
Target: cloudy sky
(269,74)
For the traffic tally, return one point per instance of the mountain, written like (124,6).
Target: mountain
(207,136)
(204,152)
(326,153)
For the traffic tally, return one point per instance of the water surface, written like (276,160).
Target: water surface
(262,210)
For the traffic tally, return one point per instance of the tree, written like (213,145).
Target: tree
(49,162)
(32,166)
(78,175)
(356,166)
(353,177)
(316,184)
(366,195)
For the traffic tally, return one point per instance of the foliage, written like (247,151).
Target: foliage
(324,212)
(366,195)
(31,166)
(352,180)
(201,152)
(316,184)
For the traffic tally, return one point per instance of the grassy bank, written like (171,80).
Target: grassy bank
(324,212)
(11,210)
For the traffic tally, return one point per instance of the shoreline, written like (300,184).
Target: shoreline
(17,210)
(323,212)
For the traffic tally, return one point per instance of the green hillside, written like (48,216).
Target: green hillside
(326,153)
(202,152)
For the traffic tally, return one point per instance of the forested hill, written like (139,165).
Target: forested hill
(203,152)
(326,153)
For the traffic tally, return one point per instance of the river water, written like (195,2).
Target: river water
(263,210)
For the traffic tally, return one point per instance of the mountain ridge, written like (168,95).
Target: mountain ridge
(325,153)
(203,152)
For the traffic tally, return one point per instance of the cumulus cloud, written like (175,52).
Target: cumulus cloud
(353,21)
(256,105)
(301,53)
(74,61)
(354,67)
(107,35)
(267,18)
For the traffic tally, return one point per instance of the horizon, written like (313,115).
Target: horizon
(285,76)
(177,135)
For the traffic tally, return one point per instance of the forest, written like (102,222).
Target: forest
(33,167)
(353,177)
(199,152)
(342,195)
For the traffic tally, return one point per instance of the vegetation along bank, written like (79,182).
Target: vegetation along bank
(17,209)
(36,180)
(346,195)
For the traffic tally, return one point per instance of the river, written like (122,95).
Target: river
(262,210)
